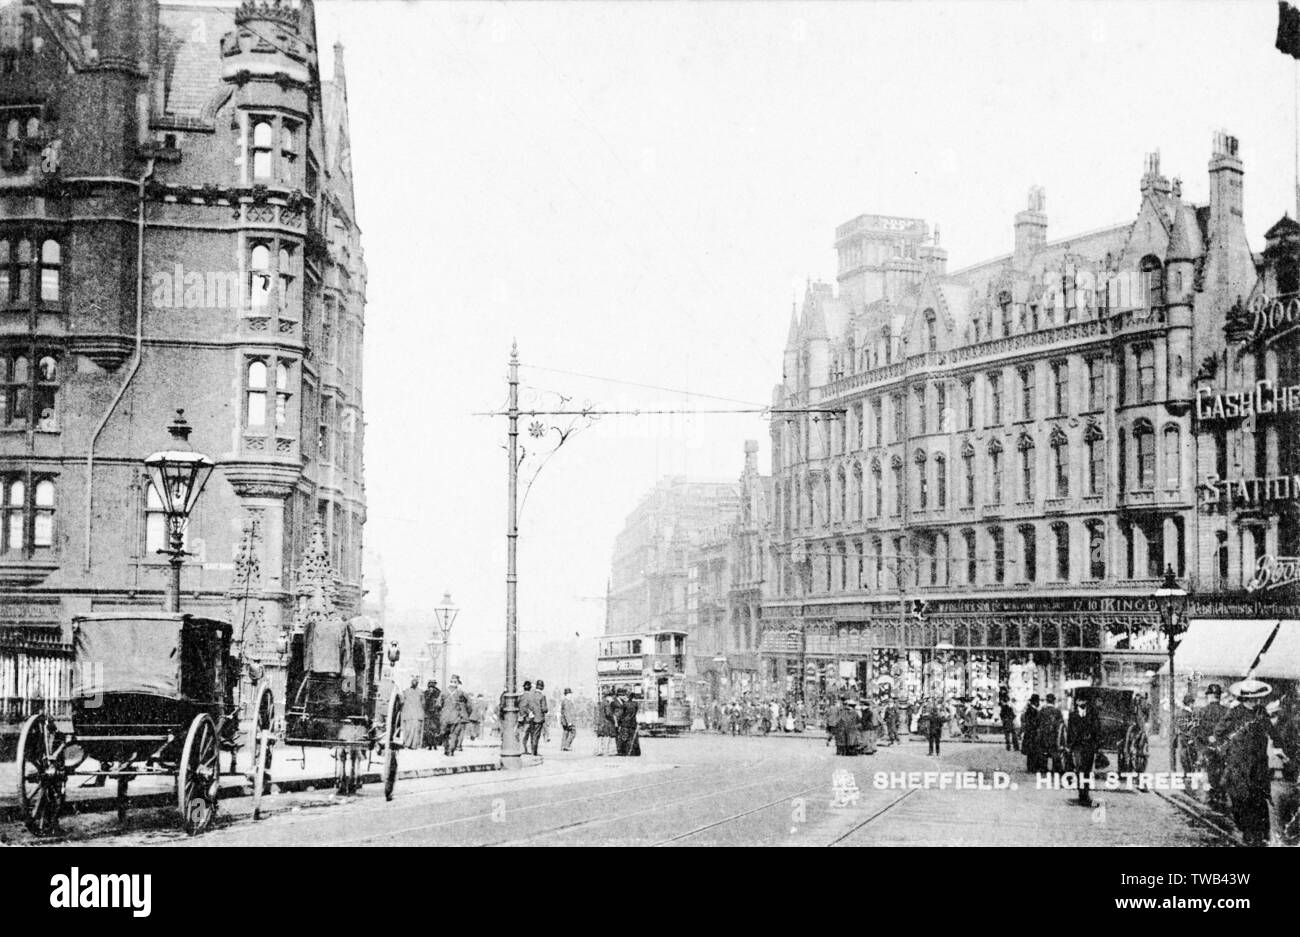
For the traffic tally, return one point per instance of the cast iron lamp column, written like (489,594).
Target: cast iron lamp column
(1173,606)
(446,614)
(178,476)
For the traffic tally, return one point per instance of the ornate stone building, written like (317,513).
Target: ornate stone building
(177,230)
(1017,449)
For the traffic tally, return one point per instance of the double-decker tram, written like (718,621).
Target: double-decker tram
(651,668)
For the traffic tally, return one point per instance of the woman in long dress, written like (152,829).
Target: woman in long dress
(413,715)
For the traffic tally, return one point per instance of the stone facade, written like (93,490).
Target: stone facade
(1018,449)
(178,233)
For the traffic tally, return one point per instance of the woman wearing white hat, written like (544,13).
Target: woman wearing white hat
(1247,776)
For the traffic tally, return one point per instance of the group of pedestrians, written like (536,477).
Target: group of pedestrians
(748,716)
(433,718)
(616,723)
(1230,744)
(855,725)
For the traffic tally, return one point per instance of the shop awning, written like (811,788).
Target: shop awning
(1220,647)
(1282,659)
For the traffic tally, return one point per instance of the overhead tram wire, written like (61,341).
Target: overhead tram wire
(615,380)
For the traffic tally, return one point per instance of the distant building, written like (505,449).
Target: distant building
(650,580)
(177,230)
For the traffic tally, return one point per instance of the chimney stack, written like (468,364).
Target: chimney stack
(1031,227)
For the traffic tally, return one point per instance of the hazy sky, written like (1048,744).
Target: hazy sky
(636,191)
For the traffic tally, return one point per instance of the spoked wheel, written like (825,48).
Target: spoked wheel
(198,779)
(263,722)
(1137,748)
(1063,749)
(391,741)
(42,776)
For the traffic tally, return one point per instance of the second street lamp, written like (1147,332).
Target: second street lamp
(178,476)
(446,615)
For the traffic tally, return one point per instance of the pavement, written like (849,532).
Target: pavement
(292,770)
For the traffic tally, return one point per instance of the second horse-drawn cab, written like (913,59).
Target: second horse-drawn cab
(1122,728)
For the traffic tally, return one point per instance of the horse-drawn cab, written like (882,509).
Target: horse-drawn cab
(1122,728)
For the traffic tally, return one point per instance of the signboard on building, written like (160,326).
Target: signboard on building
(1248,491)
(1274,571)
(1263,399)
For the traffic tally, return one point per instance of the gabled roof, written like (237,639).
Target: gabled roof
(1286,225)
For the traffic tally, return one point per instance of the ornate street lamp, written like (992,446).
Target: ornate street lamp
(1173,622)
(178,476)
(446,614)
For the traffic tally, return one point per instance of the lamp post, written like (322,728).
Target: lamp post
(178,476)
(446,614)
(511,753)
(1173,622)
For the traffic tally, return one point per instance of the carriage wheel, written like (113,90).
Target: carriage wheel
(1063,749)
(262,725)
(198,778)
(42,776)
(390,744)
(1141,752)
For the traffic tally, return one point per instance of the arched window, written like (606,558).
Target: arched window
(922,486)
(995,472)
(1096,549)
(256,393)
(842,503)
(1027,488)
(51,267)
(263,140)
(1173,457)
(1145,438)
(999,554)
(1153,281)
(896,467)
(1096,458)
(284,270)
(1060,464)
(968,475)
(930,337)
(281,393)
(811,503)
(8,275)
(940,481)
(877,493)
(858,513)
(1061,548)
(259,275)
(1029,553)
(1027,394)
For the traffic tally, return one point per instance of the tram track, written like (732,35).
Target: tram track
(669,805)
(736,816)
(1201,816)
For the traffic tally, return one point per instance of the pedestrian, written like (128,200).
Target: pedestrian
(627,738)
(432,731)
(1050,723)
(453,715)
(832,726)
(567,707)
(1209,747)
(605,721)
(1185,730)
(1286,736)
(1083,736)
(1247,777)
(933,717)
(530,717)
(413,715)
(477,709)
(1029,735)
(969,723)
(547,716)
(870,726)
(1007,714)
